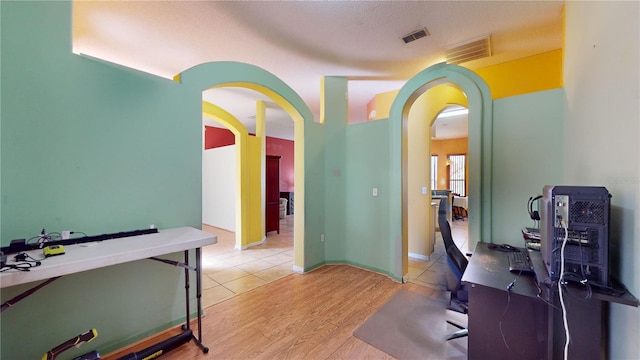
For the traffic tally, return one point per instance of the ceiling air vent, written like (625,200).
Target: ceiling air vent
(470,50)
(415,35)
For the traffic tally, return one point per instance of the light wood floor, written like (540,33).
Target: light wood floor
(301,316)
(296,316)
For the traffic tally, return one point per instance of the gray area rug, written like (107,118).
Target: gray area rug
(408,327)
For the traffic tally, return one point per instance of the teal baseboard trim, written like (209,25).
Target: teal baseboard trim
(313,267)
(120,344)
(365,267)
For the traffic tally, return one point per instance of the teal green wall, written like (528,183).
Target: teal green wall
(97,148)
(90,147)
(94,147)
(367,158)
(336,195)
(124,303)
(511,136)
(314,178)
(527,154)
(86,146)
(601,139)
(356,161)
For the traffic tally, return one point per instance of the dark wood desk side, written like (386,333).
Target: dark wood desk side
(503,324)
(517,323)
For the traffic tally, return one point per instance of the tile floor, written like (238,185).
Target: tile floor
(432,273)
(228,272)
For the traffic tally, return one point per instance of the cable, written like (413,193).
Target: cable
(573,277)
(504,312)
(24,262)
(612,291)
(584,281)
(560,283)
(44,237)
(20,266)
(502,316)
(540,292)
(23,256)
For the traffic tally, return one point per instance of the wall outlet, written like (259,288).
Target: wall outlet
(375,191)
(424,190)
(321,237)
(65,234)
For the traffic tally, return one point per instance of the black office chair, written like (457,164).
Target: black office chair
(457,265)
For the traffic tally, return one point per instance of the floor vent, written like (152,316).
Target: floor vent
(415,35)
(471,50)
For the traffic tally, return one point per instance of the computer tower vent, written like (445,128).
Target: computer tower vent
(574,229)
(587,212)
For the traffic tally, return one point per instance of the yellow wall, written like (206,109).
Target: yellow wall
(383,103)
(442,148)
(531,74)
(421,116)
(255,204)
(249,199)
(522,76)
(418,204)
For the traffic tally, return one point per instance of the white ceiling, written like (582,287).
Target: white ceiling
(301,41)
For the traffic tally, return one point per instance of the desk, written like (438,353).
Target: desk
(83,257)
(521,322)
(462,202)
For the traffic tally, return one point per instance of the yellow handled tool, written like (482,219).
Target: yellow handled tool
(75,341)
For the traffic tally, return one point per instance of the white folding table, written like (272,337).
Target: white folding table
(89,256)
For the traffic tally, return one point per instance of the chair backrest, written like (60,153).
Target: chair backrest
(443,224)
(455,258)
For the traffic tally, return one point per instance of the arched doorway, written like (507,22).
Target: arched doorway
(480,126)
(231,74)
(423,142)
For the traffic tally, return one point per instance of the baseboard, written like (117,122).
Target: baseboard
(245,247)
(406,278)
(120,348)
(367,268)
(419,256)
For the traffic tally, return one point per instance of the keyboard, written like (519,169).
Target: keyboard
(519,262)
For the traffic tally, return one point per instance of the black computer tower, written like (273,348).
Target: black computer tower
(583,212)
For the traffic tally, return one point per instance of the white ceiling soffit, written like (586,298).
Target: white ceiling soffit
(302,41)
(451,123)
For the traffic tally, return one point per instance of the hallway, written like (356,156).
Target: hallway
(432,273)
(228,272)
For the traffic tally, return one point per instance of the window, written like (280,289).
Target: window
(457,174)
(434,172)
